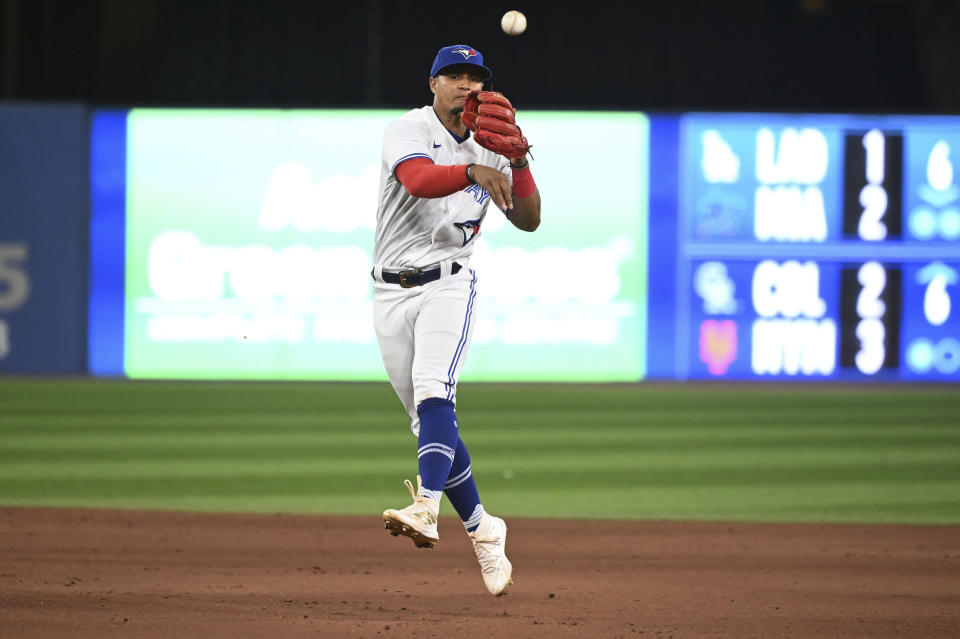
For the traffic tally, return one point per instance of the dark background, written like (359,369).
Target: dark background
(794,55)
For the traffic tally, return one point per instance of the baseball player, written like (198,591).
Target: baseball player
(442,167)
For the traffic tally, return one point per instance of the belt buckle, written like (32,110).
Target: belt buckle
(403,275)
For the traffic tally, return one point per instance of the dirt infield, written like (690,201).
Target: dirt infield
(99,573)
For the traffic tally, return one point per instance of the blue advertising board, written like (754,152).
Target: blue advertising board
(777,246)
(43,238)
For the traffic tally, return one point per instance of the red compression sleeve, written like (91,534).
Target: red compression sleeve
(523,184)
(423,178)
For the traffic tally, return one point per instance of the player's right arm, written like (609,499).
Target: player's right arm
(422,178)
(407,151)
(406,147)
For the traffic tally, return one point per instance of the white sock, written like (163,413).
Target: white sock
(435,495)
(475,518)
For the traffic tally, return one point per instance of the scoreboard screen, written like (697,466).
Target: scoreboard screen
(817,247)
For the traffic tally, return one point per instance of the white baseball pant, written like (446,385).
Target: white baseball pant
(424,334)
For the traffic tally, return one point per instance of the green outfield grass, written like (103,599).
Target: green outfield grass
(650,451)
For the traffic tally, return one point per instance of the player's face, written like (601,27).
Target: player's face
(451,86)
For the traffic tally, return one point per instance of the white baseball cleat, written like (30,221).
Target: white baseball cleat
(417,521)
(490,544)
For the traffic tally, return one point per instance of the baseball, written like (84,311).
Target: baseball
(513,23)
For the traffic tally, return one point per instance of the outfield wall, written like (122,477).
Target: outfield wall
(236,244)
(43,238)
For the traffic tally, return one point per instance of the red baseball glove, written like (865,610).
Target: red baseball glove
(490,116)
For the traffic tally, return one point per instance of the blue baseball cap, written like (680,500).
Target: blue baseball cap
(459,54)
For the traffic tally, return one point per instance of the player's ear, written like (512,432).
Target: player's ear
(433,85)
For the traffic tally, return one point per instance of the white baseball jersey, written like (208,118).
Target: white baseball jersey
(417,232)
(425,331)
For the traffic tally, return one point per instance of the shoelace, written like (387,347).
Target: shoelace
(486,555)
(415,494)
(420,508)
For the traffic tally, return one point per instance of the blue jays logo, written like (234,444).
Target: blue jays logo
(470,229)
(466,53)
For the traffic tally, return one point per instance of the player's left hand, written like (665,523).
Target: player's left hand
(496,184)
(490,116)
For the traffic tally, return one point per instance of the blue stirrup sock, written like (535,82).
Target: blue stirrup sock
(437,444)
(461,489)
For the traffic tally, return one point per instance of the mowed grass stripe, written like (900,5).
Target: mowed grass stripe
(188,422)
(282,480)
(156,451)
(846,502)
(571,452)
(638,451)
(295,460)
(598,435)
(884,502)
(59,397)
(519,429)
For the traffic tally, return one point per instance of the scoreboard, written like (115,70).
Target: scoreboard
(817,247)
